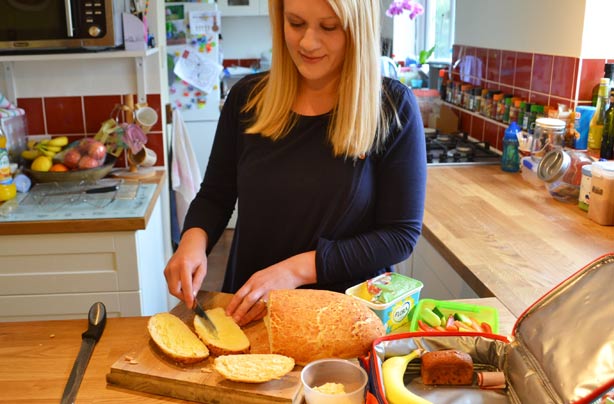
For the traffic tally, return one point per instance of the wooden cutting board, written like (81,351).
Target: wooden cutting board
(145,369)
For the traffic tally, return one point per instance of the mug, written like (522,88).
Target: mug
(144,158)
(146,117)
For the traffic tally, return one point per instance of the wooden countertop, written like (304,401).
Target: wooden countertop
(37,358)
(505,236)
(89,225)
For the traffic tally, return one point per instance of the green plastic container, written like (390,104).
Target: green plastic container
(486,314)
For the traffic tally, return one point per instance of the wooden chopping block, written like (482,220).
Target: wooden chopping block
(146,369)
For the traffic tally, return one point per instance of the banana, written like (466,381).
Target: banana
(52,148)
(31,144)
(30,154)
(393,370)
(58,141)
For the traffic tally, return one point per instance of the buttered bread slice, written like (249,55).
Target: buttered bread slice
(253,368)
(230,338)
(175,339)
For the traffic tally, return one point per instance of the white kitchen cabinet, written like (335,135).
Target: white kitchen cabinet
(233,8)
(440,280)
(60,275)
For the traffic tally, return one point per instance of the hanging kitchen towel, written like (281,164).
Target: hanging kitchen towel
(185,173)
(7,109)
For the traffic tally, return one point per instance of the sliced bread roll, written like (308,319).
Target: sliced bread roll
(310,324)
(253,368)
(175,339)
(230,338)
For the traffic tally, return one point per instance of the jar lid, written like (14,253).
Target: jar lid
(550,123)
(553,165)
(587,170)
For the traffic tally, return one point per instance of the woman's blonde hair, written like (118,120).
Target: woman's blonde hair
(359,123)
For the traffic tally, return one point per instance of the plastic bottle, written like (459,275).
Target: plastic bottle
(510,161)
(7,187)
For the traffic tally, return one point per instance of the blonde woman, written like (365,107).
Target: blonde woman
(325,157)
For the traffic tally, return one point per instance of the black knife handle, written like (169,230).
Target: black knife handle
(97,319)
(102,190)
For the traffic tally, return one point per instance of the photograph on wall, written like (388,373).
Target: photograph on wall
(175,25)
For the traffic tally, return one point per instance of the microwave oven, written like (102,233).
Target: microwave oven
(38,25)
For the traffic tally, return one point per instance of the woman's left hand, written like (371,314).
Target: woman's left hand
(249,302)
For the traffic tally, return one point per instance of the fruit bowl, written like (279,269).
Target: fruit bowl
(90,174)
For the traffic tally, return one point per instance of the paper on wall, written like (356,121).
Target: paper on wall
(197,70)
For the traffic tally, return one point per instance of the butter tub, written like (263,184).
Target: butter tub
(391,296)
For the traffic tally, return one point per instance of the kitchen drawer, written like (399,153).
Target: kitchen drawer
(67,306)
(68,263)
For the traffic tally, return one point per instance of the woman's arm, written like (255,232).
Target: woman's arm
(400,194)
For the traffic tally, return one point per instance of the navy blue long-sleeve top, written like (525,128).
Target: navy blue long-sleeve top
(360,216)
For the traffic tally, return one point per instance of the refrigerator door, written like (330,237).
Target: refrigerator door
(195,28)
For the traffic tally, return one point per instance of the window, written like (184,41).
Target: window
(434,27)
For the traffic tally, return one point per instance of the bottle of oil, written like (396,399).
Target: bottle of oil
(7,187)
(595,131)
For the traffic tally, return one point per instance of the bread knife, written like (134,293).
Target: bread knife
(198,309)
(100,190)
(97,318)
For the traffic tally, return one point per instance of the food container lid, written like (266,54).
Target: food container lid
(553,165)
(587,170)
(550,123)
(603,169)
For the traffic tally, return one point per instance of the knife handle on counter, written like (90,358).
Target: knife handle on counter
(102,190)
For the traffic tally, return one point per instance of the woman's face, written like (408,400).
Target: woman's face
(315,39)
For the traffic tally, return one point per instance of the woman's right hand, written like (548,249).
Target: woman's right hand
(187,268)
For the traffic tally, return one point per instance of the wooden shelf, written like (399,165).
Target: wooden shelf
(77,55)
(7,64)
(454,106)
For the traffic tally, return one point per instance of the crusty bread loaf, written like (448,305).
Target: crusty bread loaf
(175,339)
(308,324)
(230,338)
(447,367)
(253,368)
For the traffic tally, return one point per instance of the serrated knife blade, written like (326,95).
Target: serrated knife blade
(97,319)
(198,310)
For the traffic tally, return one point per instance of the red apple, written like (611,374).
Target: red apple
(97,150)
(71,158)
(88,162)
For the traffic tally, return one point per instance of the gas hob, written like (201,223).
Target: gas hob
(458,148)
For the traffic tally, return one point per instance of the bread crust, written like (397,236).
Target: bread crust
(175,339)
(448,366)
(308,324)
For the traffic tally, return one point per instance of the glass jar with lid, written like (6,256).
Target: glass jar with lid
(561,170)
(549,134)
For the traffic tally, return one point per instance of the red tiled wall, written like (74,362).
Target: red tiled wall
(80,116)
(538,78)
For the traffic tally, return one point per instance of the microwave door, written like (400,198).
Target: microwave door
(29,20)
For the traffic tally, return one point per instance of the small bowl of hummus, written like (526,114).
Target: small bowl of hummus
(334,381)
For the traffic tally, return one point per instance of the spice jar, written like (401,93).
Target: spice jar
(561,170)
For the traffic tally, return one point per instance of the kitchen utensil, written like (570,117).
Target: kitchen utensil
(152,373)
(198,309)
(99,190)
(97,319)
